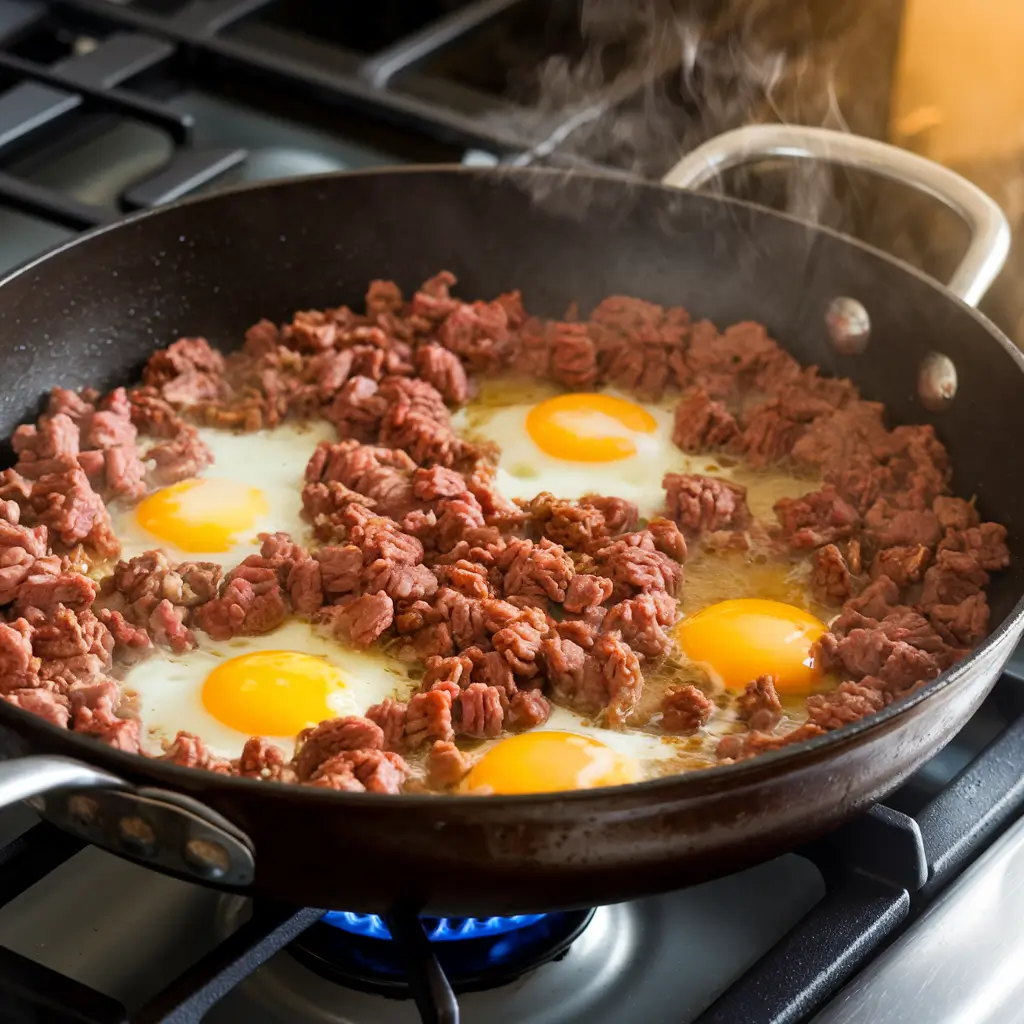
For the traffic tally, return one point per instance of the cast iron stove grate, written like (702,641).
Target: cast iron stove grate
(414,68)
(880,871)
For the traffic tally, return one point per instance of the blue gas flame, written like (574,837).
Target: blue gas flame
(437,929)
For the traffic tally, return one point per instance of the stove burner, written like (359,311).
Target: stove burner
(357,950)
(437,929)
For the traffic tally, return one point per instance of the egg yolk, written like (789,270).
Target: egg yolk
(271,693)
(582,427)
(737,641)
(202,515)
(545,762)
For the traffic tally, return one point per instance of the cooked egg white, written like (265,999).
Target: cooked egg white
(273,685)
(577,443)
(253,486)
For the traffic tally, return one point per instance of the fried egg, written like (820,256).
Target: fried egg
(738,640)
(576,443)
(273,685)
(566,753)
(253,486)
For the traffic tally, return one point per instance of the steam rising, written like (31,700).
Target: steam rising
(651,79)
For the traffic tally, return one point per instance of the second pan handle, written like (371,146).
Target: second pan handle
(990,230)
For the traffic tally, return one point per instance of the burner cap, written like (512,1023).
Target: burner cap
(357,950)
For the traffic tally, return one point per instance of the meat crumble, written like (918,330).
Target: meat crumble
(501,608)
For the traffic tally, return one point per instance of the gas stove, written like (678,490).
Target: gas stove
(902,915)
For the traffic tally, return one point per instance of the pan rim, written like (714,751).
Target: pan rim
(693,784)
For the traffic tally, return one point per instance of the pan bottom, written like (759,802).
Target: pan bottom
(357,950)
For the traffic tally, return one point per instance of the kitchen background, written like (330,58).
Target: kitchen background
(294,86)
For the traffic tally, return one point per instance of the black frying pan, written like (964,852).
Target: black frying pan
(91,312)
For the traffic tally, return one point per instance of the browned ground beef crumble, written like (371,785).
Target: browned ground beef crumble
(504,605)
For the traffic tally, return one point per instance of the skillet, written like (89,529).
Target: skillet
(92,311)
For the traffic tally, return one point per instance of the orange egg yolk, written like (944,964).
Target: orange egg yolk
(737,641)
(202,515)
(545,762)
(271,693)
(582,427)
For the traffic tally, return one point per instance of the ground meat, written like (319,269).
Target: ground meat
(317,744)
(685,709)
(574,356)
(45,591)
(819,518)
(357,771)
(634,565)
(442,369)
(953,578)
(390,715)
(130,642)
(966,621)
(702,424)
(738,747)
(955,513)
(543,569)
(429,717)
(445,764)
(119,733)
(831,579)
(847,703)
(52,707)
(519,644)
(502,603)
(768,435)
(248,605)
(876,600)
(606,680)
(481,711)
(904,564)
(909,528)
(699,503)
(179,457)
(263,760)
(986,544)
(527,709)
(667,538)
(69,646)
(382,474)
(19,665)
(759,705)
(364,619)
(585,592)
(642,620)
(190,751)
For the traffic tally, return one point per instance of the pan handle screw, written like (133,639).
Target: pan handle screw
(137,835)
(210,860)
(936,381)
(849,325)
(83,810)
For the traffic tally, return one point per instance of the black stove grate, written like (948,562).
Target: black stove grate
(65,60)
(880,871)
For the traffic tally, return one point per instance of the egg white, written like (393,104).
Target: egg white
(166,688)
(524,470)
(272,460)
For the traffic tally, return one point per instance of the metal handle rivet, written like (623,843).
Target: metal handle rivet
(937,381)
(83,809)
(136,835)
(208,859)
(849,325)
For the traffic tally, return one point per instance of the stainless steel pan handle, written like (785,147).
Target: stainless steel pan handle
(990,230)
(152,826)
